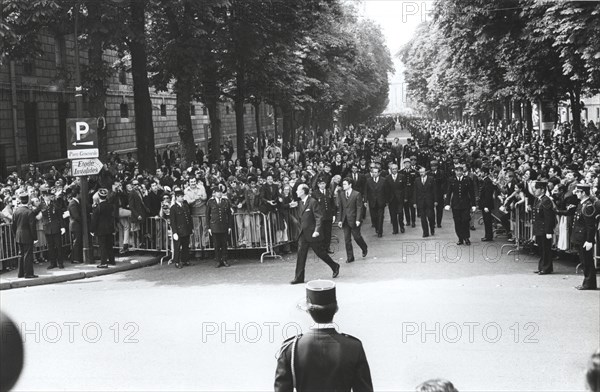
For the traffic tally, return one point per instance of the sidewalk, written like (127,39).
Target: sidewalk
(9,280)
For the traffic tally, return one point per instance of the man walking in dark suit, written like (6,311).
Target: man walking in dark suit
(424,196)
(322,359)
(376,194)
(461,197)
(410,176)
(359,182)
(544,220)
(396,186)
(349,218)
(584,235)
(441,183)
(310,234)
(325,199)
(103,227)
(182,227)
(486,203)
(75,230)
(24,228)
(219,218)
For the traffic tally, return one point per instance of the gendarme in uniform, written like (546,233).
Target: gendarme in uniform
(322,359)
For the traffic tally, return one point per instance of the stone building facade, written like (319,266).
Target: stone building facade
(44,91)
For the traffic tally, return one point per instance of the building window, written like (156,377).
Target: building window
(204,111)
(192,110)
(28,67)
(122,76)
(124,110)
(163,110)
(60,50)
(226,109)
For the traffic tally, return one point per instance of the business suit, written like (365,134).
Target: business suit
(441,183)
(425,190)
(544,220)
(324,360)
(327,205)
(75,230)
(349,212)
(180,219)
(52,221)
(584,230)
(310,221)
(103,227)
(218,214)
(396,187)
(461,198)
(487,192)
(376,197)
(24,228)
(359,182)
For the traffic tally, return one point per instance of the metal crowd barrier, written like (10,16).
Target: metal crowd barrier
(9,250)
(522,228)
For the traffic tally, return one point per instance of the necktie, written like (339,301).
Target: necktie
(347,194)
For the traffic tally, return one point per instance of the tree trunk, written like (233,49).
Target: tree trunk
(275,123)
(239,113)
(97,89)
(259,141)
(144,127)
(288,125)
(215,129)
(183,91)
(575,99)
(528,114)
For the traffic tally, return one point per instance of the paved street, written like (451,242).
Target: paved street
(423,309)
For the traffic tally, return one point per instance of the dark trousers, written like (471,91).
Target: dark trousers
(54,249)
(462,217)
(76,246)
(107,254)
(349,233)
(427,219)
(26,260)
(220,242)
(396,215)
(410,213)
(181,249)
(545,247)
(326,227)
(319,250)
(377,218)
(586,258)
(487,224)
(439,212)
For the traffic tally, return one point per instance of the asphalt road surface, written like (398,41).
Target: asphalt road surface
(423,309)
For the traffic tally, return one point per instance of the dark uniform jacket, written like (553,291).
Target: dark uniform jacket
(324,360)
(326,203)
(486,194)
(461,194)
(218,215)
(52,218)
(584,223)
(396,188)
(310,219)
(24,225)
(544,217)
(411,176)
(351,208)
(180,218)
(74,209)
(103,219)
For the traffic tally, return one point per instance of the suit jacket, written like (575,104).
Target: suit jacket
(441,182)
(103,219)
(486,194)
(396,189)
(350,209)
(268,193)
(326,203)
(584,223)
(218,215)
(74,209)
(325,360)
(310,219)
(180,218)
(376,193)
(137,206)
(24,225)
(424,195)
(461,194)
(544,217)
(360,182)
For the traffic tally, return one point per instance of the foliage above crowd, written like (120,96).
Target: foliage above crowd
(472,54)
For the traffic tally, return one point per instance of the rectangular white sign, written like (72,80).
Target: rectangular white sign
(85,153)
